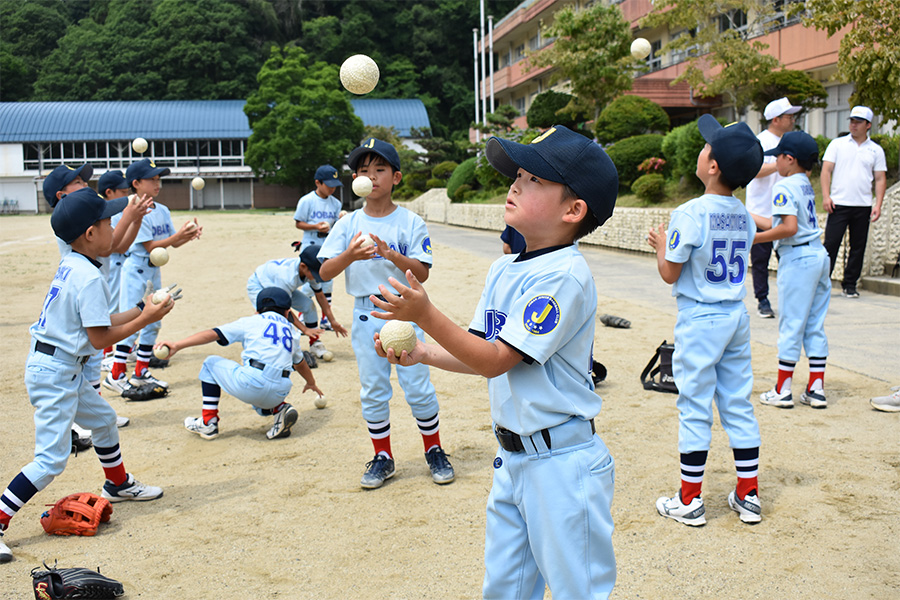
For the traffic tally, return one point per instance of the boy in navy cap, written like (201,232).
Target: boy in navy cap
(706,260)
(64,180)
(157,231)
(548,514)
(315,215)
(397,240)
(804,285)
(75,322)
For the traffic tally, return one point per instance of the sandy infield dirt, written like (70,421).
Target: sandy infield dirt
(244,517)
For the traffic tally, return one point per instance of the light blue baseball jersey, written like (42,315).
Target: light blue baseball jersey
(312,208)
(794,195)
(544,307)
(78,298)
(711,236)
(283,273)
(268,338)
(402,230)
(156,225)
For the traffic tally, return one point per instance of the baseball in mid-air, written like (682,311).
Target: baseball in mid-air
(139,145)
(162,352)
(321,402)
(365,241)
(362,186)
(640,48)
(359,74)
(159,256)
(398,335)
(197,183)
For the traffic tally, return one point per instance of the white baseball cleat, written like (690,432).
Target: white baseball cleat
(146,378)
(693,514)
(132,489)
(319,351)
(122,421)
(748,508)
(889,403)
(773,398)
(5,552)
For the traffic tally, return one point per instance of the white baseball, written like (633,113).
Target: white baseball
(362,186)
(159,256)
(190,225)
(359,74)
(321,402)
(197,183)
(133,199)
(640,48)
(398,335)
(158,296)
(139,145)
(365,241)
(342,214)
(162,352)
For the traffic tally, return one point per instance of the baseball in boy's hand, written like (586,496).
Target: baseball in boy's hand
(362,186)
(365,241)
(139,145)
(161,352)
(398,336)
(359,74)
(159,256)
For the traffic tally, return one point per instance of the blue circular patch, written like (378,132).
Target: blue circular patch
(498,462)
(674,239)
(426,245)
(541,315)
(780,200)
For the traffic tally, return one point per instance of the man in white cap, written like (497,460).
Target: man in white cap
(850,165)
(781,115)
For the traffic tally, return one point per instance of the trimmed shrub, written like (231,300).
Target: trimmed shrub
(650,187)
(435,183)
(891,145)
(543,111)
(488,177)
(822,142)
(628,116)
(444,170)
(464,174)
(461,193)
(631,152)
(681,147)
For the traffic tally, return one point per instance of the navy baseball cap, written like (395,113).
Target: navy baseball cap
(62,176)
(376,146)
(798,144)
(144,169)
(79,210)
(329,176)
(309,257)
(112,180)
(563,156)
(272,297)
(737,151)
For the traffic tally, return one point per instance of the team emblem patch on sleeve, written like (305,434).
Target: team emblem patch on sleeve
(780,200)
(541,315)
(426,245)
(674,239)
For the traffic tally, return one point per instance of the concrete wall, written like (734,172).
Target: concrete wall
(627,229)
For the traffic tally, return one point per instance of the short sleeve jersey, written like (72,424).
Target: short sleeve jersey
(402,230)
(711,236)
(794,195)
(543,304)
(312,208)
(78,298)
(156,225)
(268,338)
(759,190)
(283,273)
(854,169)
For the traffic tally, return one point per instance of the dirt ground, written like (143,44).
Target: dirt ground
(245,517)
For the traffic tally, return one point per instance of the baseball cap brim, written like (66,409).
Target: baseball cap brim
(333,183)
(114,207)
(507,157)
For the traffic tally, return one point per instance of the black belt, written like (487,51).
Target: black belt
(50,350)
(512,442)
(792,246)
(321,235)
(261,366)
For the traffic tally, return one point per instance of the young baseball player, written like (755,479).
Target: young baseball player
(157,231)
(548,514)
(804,285)
(290,275)
(706,260)
(398,241)
(73,323)
(271,349)
(315,215)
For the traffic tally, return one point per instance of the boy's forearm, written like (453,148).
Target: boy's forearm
(779,232)
(405,263)
(198,339)
(305,372)
(333,267)
(103,337)
(438,357)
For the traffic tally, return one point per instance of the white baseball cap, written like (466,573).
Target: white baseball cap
(779,107)
(862,112)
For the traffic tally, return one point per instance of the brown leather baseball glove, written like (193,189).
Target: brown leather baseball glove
(77,514)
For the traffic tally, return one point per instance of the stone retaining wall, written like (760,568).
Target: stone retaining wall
(627,229)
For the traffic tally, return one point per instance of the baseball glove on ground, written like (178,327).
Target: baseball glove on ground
(80,444)
(310,359)
(613,321)
(78,582)
(77,514)
(145,392)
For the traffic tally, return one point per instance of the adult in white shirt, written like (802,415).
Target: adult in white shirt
(781,116)
(850,165)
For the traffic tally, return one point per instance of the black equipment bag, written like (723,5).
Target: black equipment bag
(658,377)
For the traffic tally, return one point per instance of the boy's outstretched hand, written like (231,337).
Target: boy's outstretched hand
(406,359)
(409,304)
(657,238)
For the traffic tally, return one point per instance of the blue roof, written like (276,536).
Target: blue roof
(168,119)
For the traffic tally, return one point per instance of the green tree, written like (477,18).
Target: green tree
(592,51)
(549,108)
(30,33)
(797,86)
(716,37)
(300,119)
(869,55)
(628,116)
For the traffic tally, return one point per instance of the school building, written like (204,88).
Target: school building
(795,46)
(191,137)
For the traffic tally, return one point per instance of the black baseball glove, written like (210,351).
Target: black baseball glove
(145,392)
(614,321)
(78,582)
(80,444)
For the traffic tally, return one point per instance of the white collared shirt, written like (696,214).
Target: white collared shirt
(854,169)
